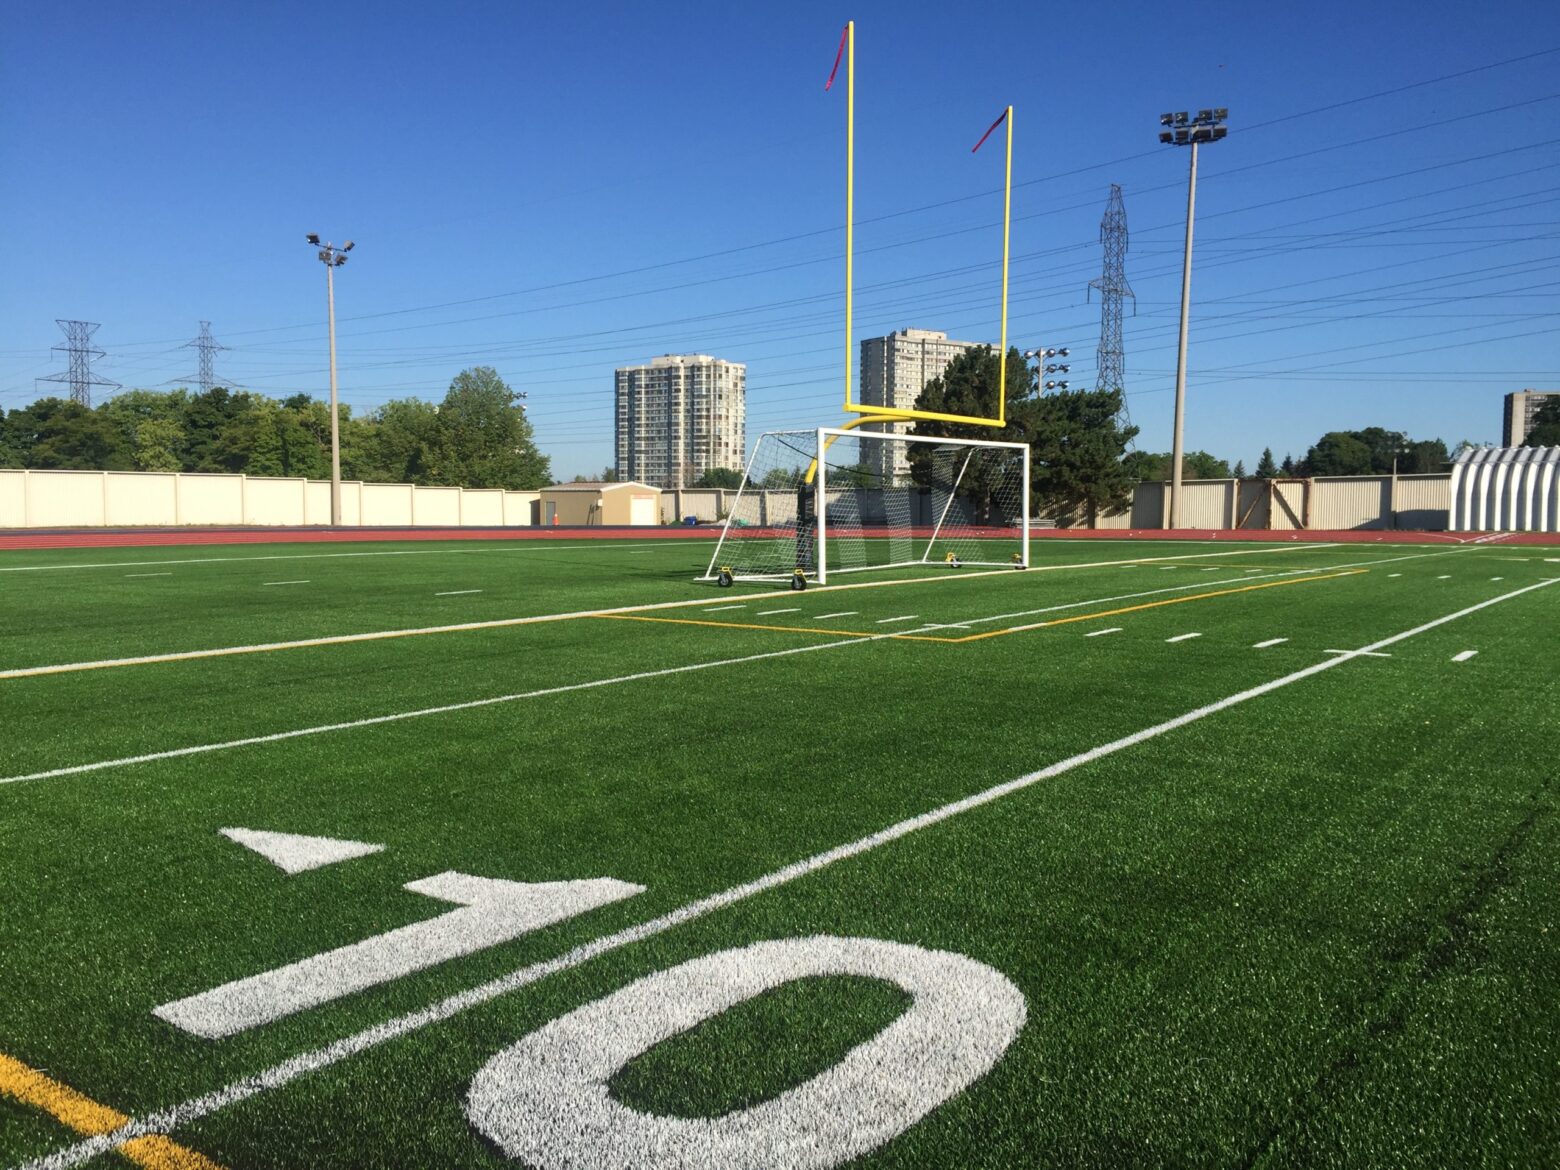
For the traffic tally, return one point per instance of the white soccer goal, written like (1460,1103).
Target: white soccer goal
(827,501)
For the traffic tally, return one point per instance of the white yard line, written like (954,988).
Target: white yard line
(148,574)
(1464,656)
(772,612)
(1394,574)
(457,592)
(1269,642)
(284,582)
(907,617)
(1358,653)
(501,623)
(1098,633)
(1183,637)
(532,545)
(167,1120)
(823,617)
(1444,577)
(469,705)
(718,608)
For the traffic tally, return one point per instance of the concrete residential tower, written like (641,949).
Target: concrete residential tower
(894,371)
(680,416)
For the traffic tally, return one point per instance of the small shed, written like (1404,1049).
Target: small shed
(596,504)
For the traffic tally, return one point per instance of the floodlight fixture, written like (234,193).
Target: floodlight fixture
(347,247)
(313,238)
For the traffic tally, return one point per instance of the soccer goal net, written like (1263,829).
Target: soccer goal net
(825,501)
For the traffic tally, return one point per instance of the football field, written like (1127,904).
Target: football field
(543,853)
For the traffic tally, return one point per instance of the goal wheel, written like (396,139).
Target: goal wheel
(952,560)
(1018,561)
(723,578)
(798,580)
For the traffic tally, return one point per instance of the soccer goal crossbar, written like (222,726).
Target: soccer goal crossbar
(823,501)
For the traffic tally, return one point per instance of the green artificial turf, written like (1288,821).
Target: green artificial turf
(1317,928)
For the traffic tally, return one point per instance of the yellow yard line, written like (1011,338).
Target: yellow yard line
(630,617)
(84,1115)
(1083,617)
(880,634)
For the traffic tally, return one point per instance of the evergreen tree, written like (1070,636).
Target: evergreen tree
(1076,438)
(1287,466)
(1266,468)
(1240,469)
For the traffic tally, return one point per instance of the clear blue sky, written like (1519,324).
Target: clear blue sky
(559,189)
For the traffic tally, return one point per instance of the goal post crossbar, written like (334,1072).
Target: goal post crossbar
(836,499)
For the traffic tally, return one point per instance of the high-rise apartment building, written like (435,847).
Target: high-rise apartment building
(894,371)
(1521,407)
(680,416)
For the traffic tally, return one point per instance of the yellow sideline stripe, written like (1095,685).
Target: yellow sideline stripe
(84,1115)
(632,617)
(1082,617)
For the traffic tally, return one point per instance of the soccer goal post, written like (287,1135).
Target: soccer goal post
(820,502)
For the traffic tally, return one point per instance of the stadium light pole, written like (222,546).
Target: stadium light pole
(1184,129)
(333,258)
(1044,366)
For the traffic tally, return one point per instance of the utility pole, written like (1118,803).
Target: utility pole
(80,353)
(333,258)
(1185,130)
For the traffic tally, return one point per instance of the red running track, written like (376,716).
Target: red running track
(141,537)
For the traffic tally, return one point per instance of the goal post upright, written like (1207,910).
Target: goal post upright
(821,510)
(1024,563)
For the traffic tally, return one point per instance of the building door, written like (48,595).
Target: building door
(641,510)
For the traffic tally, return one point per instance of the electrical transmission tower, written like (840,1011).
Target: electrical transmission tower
(206,347)
(80,352)
(1114,289)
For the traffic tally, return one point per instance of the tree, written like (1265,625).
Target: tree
(720,477)
(1372,451)
(1158,467)
(158,442)
(1338,453)
(1267,469)
(69,436)
(405,444)
(1287,466)
(1239,471)
(610,475)
(1545,431)
(1076,438)
(490,441)
(206,416)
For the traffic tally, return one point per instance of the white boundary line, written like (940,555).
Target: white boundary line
(167,1120)
(499,623)
(522,545)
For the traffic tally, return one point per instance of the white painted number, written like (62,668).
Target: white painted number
(544,1099)
(492,911)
